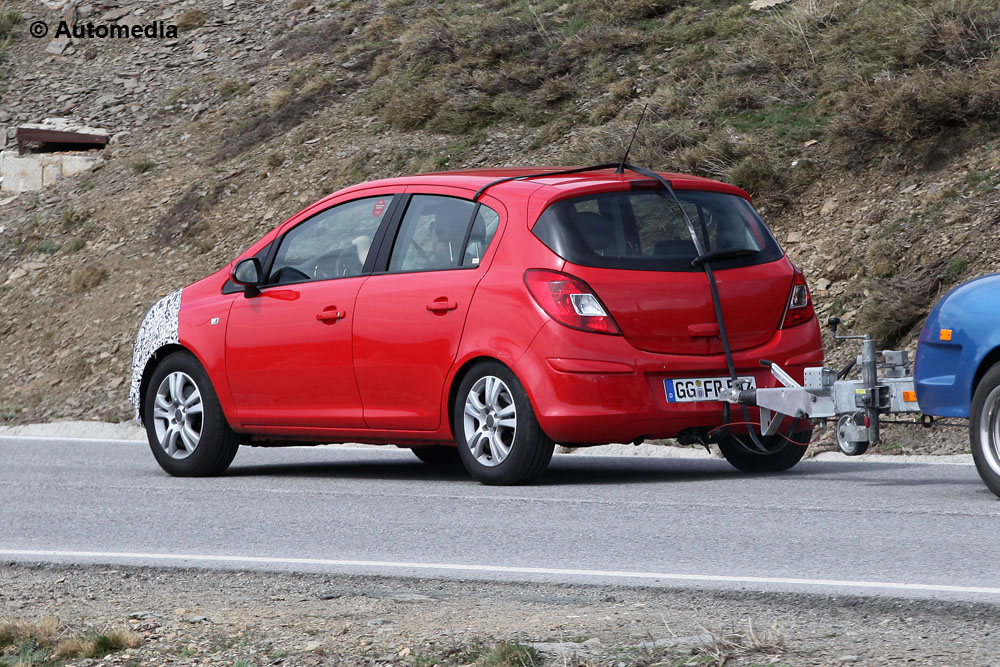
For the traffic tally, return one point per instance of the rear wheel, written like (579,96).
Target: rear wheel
(984,429)
(437,455)
(498,436)
(782,454)
(186,429)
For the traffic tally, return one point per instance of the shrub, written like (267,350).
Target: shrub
(142,166)
(85,278)
(191,19)
(894,305)
(8,20)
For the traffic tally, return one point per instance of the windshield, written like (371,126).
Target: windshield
(645,230)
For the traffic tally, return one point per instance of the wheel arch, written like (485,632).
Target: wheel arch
(152,362)
(991,359)
(462,372)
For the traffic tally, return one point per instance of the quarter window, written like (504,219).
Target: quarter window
(332,244)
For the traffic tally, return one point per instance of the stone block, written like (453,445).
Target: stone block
(74,164)
(21,174)
(51,171)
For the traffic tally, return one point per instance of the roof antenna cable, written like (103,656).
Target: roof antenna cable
(621,166)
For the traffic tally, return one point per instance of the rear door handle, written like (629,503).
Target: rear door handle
(331,314)
(442,305)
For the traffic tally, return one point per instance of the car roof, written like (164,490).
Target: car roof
(550,187)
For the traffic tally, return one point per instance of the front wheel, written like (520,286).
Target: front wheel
(984,429)
(185,426)
(782,453)
(499,438)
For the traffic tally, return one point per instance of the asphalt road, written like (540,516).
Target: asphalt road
(844,527)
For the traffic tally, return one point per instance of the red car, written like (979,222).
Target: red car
(483,316)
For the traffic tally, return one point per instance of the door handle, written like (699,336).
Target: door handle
(442,306)
(706,329)
(330,315)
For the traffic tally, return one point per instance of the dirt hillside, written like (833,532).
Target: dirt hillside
(866,130)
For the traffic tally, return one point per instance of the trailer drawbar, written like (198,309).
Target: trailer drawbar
(857,405)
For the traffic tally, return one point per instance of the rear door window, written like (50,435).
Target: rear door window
(645,230)
(439,232)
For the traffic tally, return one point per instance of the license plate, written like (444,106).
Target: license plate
(686,390)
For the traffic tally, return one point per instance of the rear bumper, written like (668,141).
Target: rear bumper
(591,388)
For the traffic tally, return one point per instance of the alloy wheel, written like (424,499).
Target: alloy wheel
(490,420)
(177,415)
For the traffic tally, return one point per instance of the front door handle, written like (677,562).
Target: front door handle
(331,314)
(442,305)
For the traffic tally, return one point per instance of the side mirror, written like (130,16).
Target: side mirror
(247,274)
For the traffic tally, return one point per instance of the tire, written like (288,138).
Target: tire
(784,454)
(186,441)
(498,436)
(437,455)
(984,429)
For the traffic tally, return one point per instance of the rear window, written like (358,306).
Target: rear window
(644,230)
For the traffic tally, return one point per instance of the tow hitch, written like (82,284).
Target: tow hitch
(857,405)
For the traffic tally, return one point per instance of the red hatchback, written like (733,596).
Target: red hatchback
(483,316)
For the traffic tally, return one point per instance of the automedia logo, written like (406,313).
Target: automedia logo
(154,30)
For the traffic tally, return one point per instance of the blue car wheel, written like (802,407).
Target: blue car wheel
(984,429)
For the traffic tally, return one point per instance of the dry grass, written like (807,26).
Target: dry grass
(8,21)
(725,646)
(97,645)
(85,278)
(40,642)
(191,19)
(897,303)
(43,632)
(733,93)
(507,654)
(285,109)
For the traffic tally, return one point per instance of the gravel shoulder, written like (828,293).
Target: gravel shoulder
(194,617)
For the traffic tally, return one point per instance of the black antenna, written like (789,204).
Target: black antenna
(621,165)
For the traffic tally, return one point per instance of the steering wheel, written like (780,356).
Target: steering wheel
(347,263)
(325,266)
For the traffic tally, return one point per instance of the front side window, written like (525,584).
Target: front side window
(332,244)
(435,234)
(645,230)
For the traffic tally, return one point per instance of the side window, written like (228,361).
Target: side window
(483,228)
(332,244)
(431,234)
(435,234)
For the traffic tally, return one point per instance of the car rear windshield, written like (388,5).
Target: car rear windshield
(644,230)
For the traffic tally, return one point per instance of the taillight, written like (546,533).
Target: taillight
(569,301)
(800,305)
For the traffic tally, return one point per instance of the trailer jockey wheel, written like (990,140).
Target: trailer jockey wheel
(850,447)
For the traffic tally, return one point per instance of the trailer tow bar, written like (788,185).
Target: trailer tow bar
(857,405)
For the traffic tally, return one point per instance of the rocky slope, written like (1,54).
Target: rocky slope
(257,108)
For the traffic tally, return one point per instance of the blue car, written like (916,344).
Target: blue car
(957,369)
